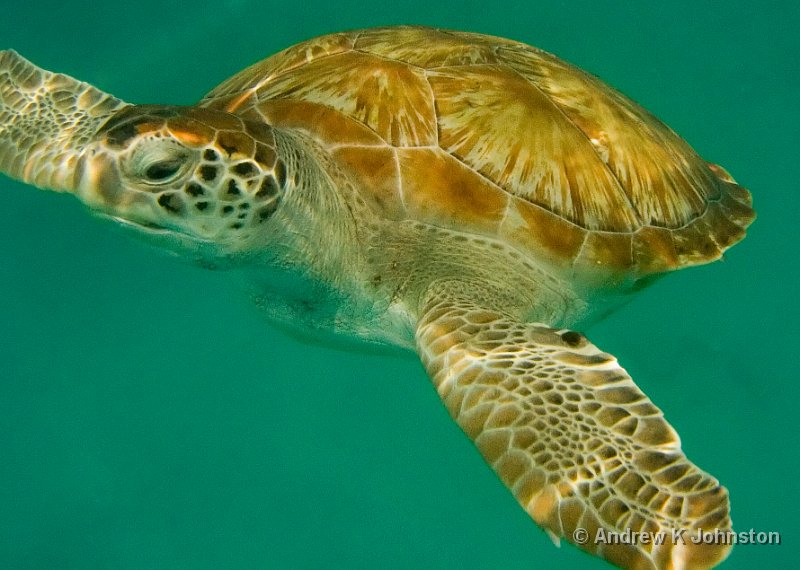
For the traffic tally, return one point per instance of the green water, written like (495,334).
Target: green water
(149,419)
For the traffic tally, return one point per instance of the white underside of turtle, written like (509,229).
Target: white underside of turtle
(463,196)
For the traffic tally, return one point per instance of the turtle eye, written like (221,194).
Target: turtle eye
(162,171)
(158,161)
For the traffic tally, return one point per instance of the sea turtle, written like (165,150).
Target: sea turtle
(465,196)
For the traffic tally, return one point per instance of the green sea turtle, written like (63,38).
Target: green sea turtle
(464,196)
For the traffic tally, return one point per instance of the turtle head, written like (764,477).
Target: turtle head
(186,174)
(200,174)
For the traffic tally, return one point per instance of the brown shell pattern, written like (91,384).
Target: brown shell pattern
(492,136)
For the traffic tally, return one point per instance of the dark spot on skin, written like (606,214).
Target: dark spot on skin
(260,130)
(267,211)
(244,206)
(210,155)
(268,188)
(208,173)
(572,338)
(377,280)
(170,202)
(237,226)
(201,206)
(242,216)
(227,209)
(227,146)
(165,112)
(245,169)
(280,173)
(233,188)
(194,189)
(264,156)
(118,118)
(121,135)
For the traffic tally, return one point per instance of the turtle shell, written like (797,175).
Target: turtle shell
(495,137)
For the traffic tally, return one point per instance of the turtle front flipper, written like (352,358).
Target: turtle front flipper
(583,450)
(46,119)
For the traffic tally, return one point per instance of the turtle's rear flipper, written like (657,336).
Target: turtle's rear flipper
(45,121)
(584,451)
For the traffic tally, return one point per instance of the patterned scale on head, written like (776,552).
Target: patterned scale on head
(202,172)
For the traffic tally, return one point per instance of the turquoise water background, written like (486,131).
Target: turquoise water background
(150,419)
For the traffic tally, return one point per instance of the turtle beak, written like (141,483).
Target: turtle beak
(97,183)
(46,121)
